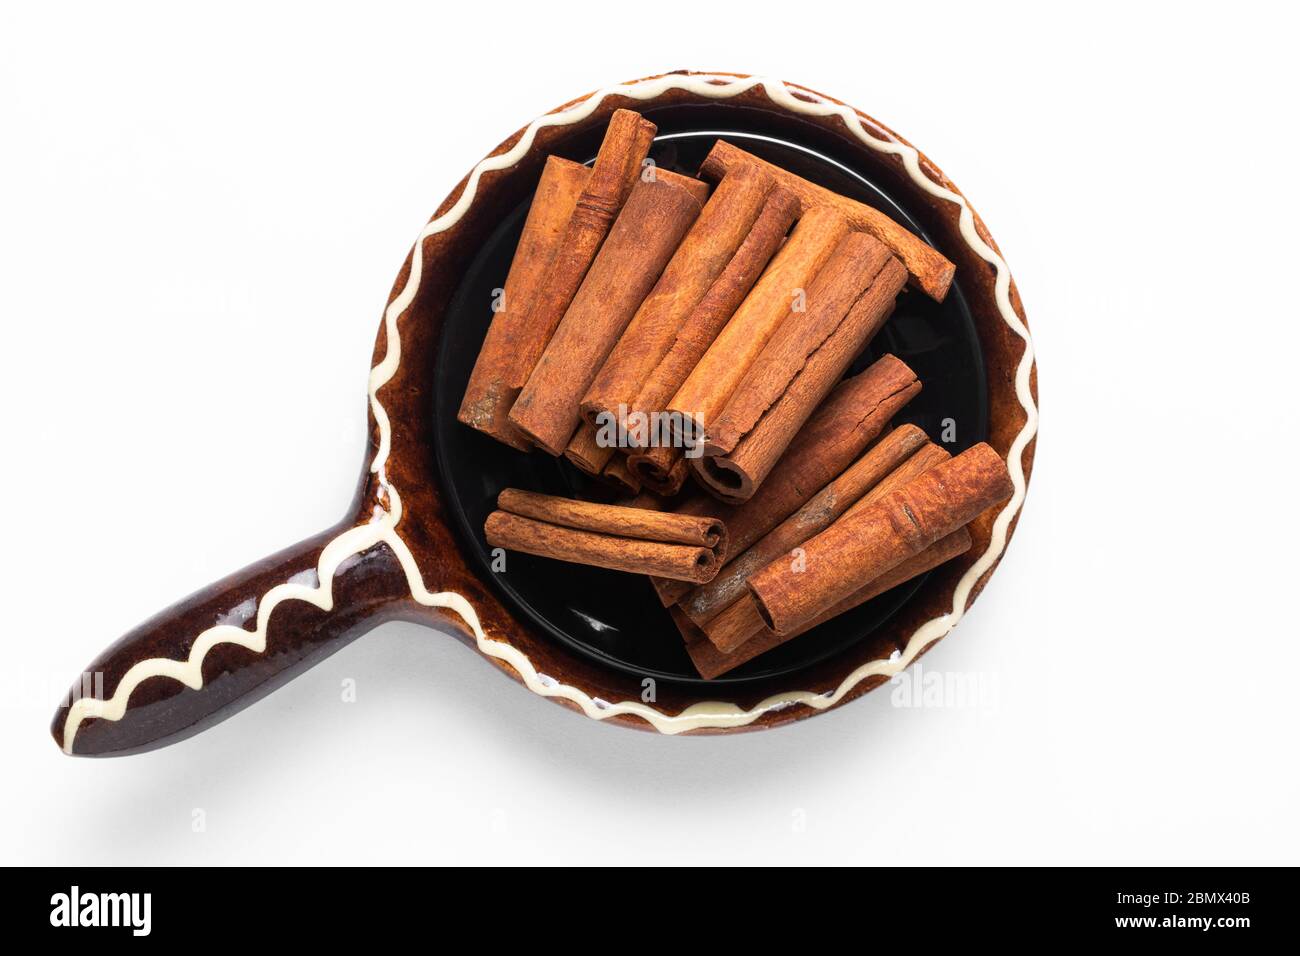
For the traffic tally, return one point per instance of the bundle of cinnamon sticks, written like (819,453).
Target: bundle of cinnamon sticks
(655,329)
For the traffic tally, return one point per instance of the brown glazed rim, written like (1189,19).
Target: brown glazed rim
(534,659)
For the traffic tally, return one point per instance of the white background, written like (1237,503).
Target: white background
(202,215)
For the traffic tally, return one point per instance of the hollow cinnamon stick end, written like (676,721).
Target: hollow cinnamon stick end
(715,536)
(723,479)
(663,483)
(701,571)
(586,453)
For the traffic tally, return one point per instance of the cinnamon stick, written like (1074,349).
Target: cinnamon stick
(723,628)
(723,224)
(652,223)
(586,452)
(745,618)
(670,592)
(629,522)
(927,268)
(864,545)
(610,536)
(667,483)
(874,466)
(719,303)
(926,457)
(684,562)
(690,632)
(616,169)
(646,500)
(499,371)
(706,390)
(617,473)
(856,411)
(603,461)
(662,465)
(799,367)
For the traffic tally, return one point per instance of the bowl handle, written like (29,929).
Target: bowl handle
(227,646)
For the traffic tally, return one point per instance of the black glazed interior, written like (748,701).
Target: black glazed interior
(614,618)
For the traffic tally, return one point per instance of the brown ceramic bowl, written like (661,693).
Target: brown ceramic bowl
(411,545)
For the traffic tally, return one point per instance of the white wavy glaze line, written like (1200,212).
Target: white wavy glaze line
(383,528)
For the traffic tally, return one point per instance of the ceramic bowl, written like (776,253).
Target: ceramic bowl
(411,546)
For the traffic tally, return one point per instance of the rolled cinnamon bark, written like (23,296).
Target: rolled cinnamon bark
(738,623)
(622,520)
(847,274)
(610,536)
(723,628)
(705,392)
(652,223)
(876,464)
(645,499)
(856,411)
(499,371)
(670,592)
(926,457)
(586,452)
(662,465)
(864,545)
(691,634)
(743,616)
(929,270)
(608,183)
(617,473)
(670,484)
(718,304)
(708,248)
(797,369)
(682,561)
